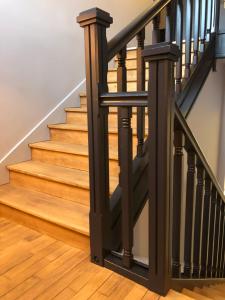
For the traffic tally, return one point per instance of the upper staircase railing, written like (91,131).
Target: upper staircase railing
(175,65)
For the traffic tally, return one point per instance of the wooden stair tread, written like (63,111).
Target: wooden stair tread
(59,211)
(73,177)
(82,127)
(195,295)
(173,295)
(69,148)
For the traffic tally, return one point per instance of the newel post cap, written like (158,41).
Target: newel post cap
(94,15)
(161,51)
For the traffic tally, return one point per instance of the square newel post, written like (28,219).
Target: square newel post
(161,58)
(95,21)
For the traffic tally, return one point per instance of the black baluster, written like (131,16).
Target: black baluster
(220,253)
(156,31)
(126,185)
(190,190)
(205,226)
(179,42)
(211,232)
(140,87)
(177,198)
(209,19)
(198,220)
(216,236)
(188,36)
(121,87)
(202,24)
(196,30)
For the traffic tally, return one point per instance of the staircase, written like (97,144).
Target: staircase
(50,193)
(147,93)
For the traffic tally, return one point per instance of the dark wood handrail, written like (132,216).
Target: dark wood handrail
(198,151)
(117,43)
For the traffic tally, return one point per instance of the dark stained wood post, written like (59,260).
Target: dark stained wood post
(95,21)
(220,253)
(161,58)
(177,199)
(198,219)
(205,226)
(126,184)
(188,36)
(179,42)
(121,87)
(211,231)
(140,88)
(190,191)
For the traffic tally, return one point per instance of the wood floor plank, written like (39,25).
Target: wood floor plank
(66,294)
(53,272)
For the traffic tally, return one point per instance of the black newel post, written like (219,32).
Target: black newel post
(95,21)
(161,58)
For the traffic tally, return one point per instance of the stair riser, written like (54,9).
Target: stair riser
(57,189)
(68,160)
(81,118)
(131,75)
(81,137)
(131,87)
(73,238)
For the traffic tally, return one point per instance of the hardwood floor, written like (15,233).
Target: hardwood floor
(36,266)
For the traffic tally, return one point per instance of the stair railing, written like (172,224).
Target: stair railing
(183,43)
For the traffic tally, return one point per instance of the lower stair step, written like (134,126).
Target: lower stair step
(63,219)
(195,295)
(70,184)
(68,155)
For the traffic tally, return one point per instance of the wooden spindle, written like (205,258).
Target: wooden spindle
(196,30)
(177,199)
(140,88)
(209,19)
(179,39)
(202,24)
(126,185)
(211,232)
(198,220)
(190,190)
(168,30)
(121,87)
(156,31)
(188,36)
(220,250)
(205,226)
(216,235)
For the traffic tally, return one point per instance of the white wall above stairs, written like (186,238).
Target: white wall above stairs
(207,121)
(42,60)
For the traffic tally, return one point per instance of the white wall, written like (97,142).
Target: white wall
(206,120)
(42,60)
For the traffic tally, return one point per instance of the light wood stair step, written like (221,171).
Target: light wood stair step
(209,292)
(69,148)
(46,213)
(76,116)
(173,295)
(69,155)
(195,295)
(71,184)
(78,134)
